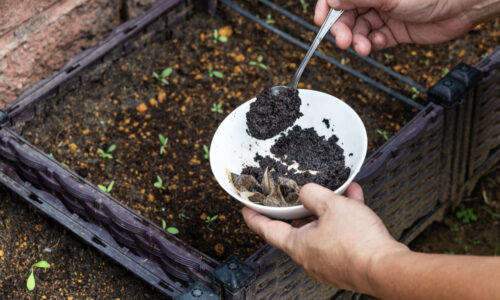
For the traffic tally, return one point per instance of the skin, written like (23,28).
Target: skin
(378,24)
(348,246)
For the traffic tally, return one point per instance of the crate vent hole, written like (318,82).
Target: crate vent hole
(35,198)
(72,68)
(164,285)
(98,241)
(129,29)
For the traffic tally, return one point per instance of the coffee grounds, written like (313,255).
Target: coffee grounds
(311,152)
(327,123)
(270,114)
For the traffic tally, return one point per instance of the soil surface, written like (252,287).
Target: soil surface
(74,129)
(270,114)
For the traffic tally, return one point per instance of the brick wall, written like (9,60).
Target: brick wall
(38,36)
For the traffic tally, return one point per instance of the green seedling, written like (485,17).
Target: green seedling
(383,133)
(217,107)
(218,37)
(342,61)
(163,75)
(449,252)
(466,215)
(182,215)
(107,153)
(163,141)
(207,152)
(106,189)
(259,63)
(212,72)
(446,71)
(476,242)
(30,283)
(304,4)
(416,92)
(209,220)
(493,214)
(171,230)
(388,57)
(51,155)
(427,63)
(159,183)
(454,228)
(269,20)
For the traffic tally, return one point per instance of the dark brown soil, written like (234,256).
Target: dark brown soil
(311,152)
(270,114)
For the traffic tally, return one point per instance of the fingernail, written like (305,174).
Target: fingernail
(334,3)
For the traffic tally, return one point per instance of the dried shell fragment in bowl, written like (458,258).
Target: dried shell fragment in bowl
(282,192)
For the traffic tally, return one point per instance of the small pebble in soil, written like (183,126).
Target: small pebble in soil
(270,114)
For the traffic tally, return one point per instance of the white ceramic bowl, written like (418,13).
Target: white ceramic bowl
(232,148)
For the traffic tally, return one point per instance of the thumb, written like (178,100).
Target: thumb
(315,198)
(384,5)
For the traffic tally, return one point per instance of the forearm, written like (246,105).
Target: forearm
(482,10)
(411,275)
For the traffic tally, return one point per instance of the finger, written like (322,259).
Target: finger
(379,40)
(301,222)
(315,198)
(342,34)
(350,4)
(374,18)
(354,191)
(277,233)
(342,29)
(382,38)
(360,41)
(320,12)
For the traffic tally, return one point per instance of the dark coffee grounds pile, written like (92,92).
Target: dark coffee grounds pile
(270,114)
(311,152)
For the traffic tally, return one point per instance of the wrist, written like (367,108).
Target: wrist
(379,264)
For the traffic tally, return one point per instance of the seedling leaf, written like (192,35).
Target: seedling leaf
(163,224)
(102,187)
(218,74)
(223,39)
(30,284)
(173,230)
(162,139)
(111,148)
(166,72)
(155,75)
(42,264)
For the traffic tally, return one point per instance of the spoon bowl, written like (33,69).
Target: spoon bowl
(232,148)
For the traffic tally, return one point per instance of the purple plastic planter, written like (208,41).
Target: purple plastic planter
(409,181)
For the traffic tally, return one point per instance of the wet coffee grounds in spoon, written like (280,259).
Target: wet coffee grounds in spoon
(270,114)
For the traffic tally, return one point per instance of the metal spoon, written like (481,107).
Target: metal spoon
(331,18)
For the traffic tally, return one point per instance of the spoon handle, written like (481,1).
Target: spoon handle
(331,18)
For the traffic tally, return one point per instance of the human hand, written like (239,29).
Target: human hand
(377,24)
(341,246)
